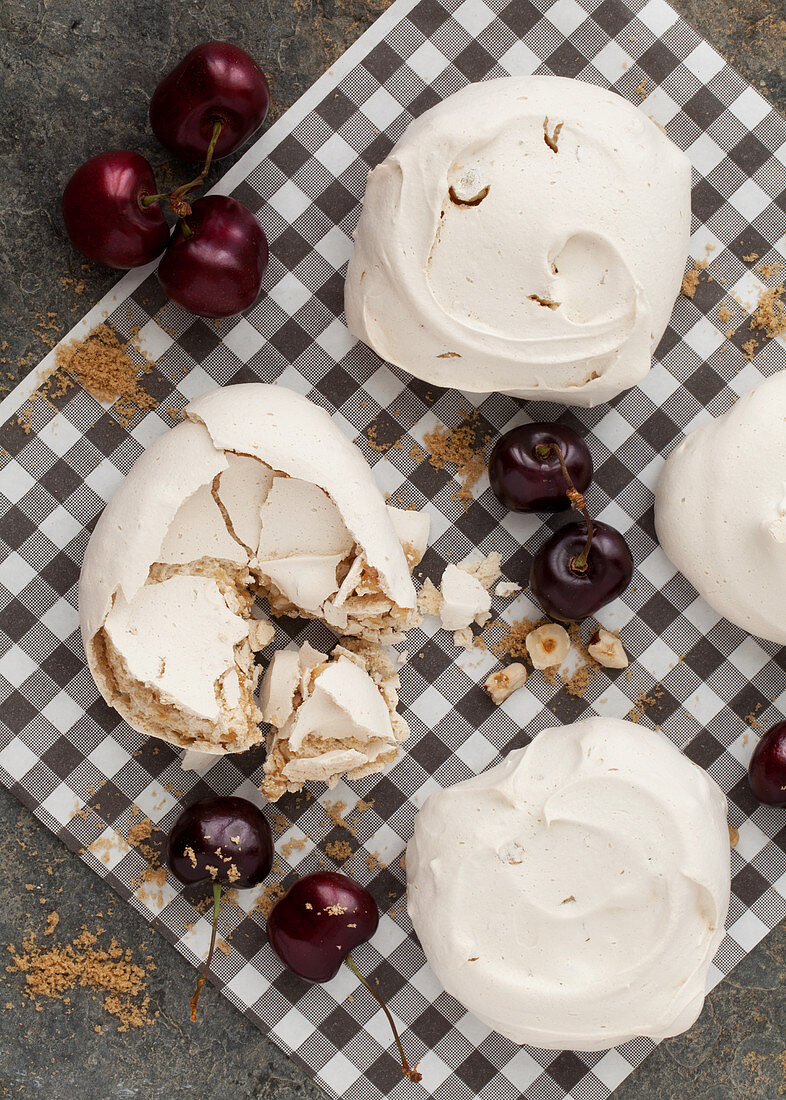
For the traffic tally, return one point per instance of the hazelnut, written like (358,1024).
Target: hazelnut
(607,649)
(503,683)
(548,645)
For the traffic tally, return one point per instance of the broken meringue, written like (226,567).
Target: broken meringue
(330,716)
(256,493)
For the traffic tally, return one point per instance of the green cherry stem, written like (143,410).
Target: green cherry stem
(187,230)
(177,200)
(211,949)
(410,1072)
(543,450)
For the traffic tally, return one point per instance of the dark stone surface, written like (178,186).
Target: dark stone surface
(74,80)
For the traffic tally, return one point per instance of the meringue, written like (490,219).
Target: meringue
(528,235)
(330,716)
(573,896)
(256,493)
(720,511)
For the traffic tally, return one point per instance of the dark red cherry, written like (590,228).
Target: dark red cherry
(316,924)
(216,258)
(215,83)
(525,471)
(105,214)
(767,768)
(224,841)
(570,588)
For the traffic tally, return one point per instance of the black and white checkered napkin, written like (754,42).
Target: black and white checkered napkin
(62,749)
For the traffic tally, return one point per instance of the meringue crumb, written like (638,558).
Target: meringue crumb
(461,447)
(507,588)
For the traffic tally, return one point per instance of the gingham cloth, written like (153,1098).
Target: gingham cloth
(62,748)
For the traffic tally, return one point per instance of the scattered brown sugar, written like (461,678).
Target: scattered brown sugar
(339,850)
(770,314)
(641,91)
(749,348)
(361,806)
(752,719)
(335,813)
(268,898)
(373,442)
(734,836)
(751,258)
(724,315)
(461,447)
(769,271)
(101,363)
(637,711)
(140,831)
(374,862)
(513,642)
(52,922)
(690,279)
(294,844)
(111,972)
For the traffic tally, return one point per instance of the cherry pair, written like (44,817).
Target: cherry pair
(313,928)
(205,109)
(544,467)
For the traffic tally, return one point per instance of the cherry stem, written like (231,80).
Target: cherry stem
(543,450)
(187,230)
(148,200)
(411,1073)
(177,197)
(211,949)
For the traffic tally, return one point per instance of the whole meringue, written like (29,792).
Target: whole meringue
(720,511)
(527,235)
(573,896)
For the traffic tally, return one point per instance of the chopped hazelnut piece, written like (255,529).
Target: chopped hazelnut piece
(500,685)
(548,645)
(607,649)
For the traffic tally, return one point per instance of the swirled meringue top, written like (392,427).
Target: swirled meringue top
(720,511)
(573,896)
(527,235)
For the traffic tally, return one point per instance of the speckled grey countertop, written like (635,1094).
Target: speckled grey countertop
(75,78)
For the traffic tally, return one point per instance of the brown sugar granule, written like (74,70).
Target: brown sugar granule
(724,315)
(513,641)
(268,898)
(60,968)
(371,439)
(361,806)
(770,315)
(751,718)
(461,447)
(374,862)
(339,850)
(749,348)
(335,811)
(641,91)
(751,258)
(102,365)
(690,279)
(769,271)
(52,922)
(734,836)
(140,831)
(636,713)
(294,844)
